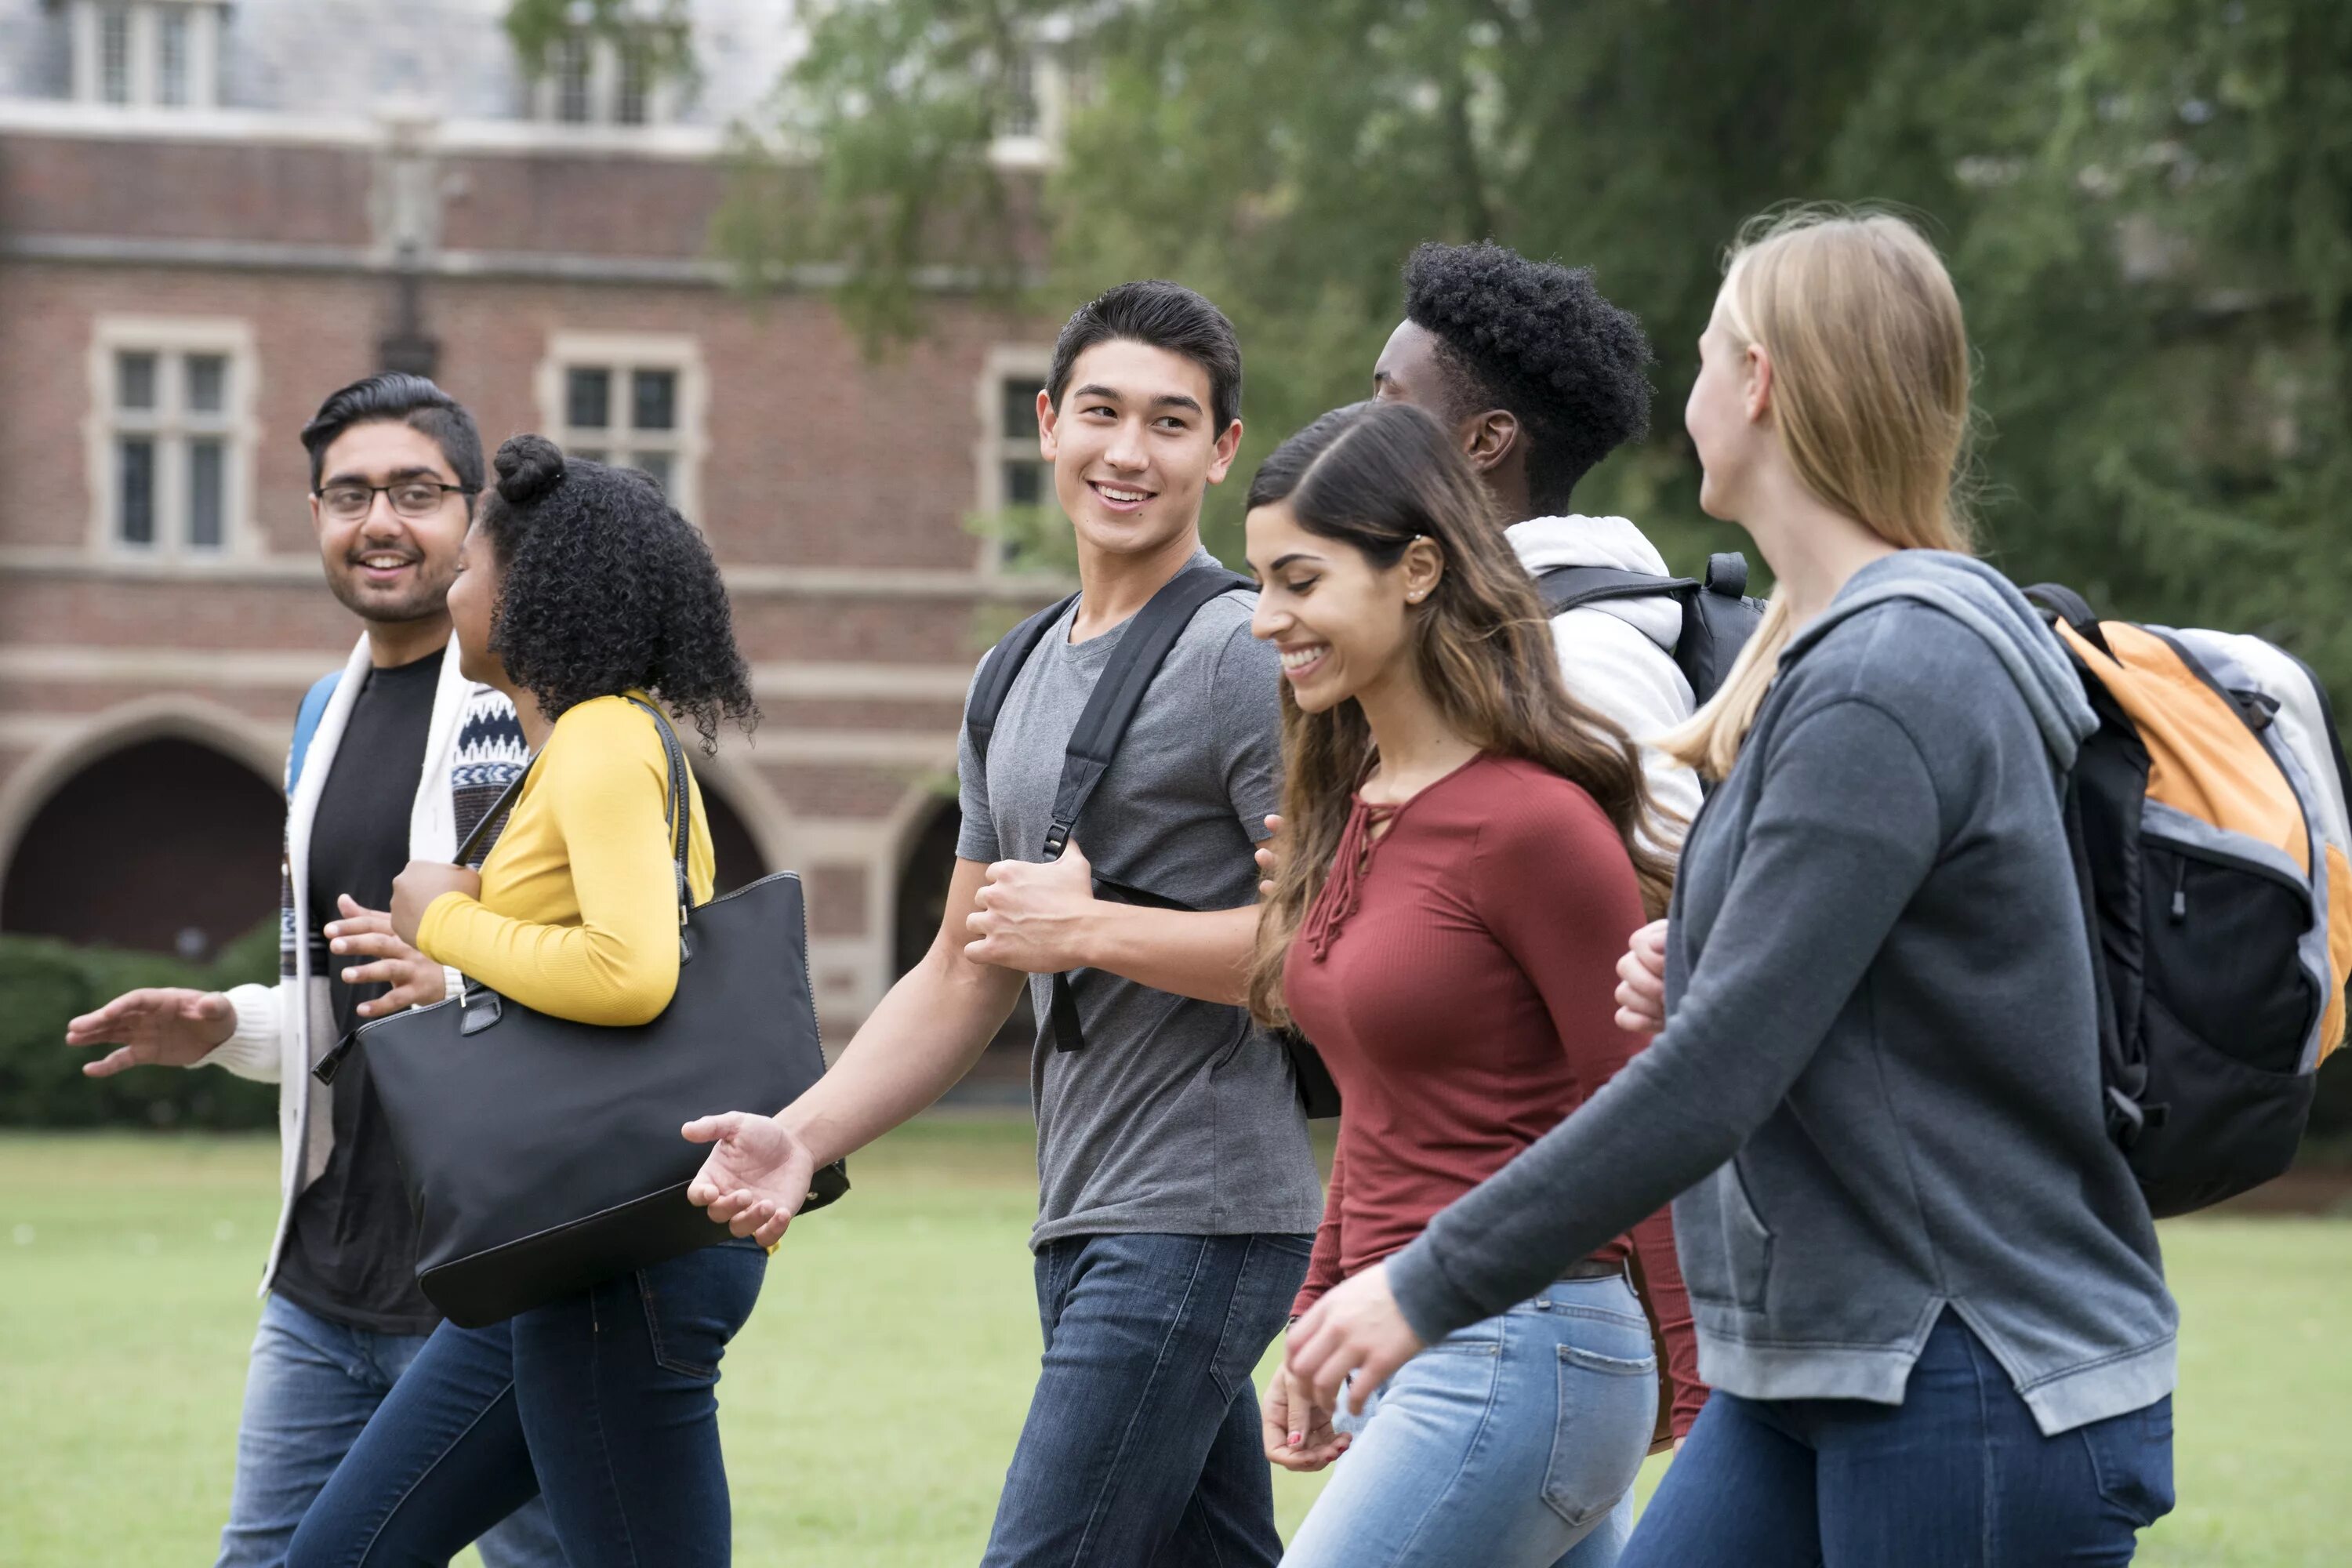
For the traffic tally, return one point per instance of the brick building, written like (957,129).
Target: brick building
(212,214)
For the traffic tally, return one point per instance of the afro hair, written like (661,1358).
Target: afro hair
(603,587)
(1535,338)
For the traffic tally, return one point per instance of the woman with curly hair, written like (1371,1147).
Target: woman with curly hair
(1465,860)
(578,589)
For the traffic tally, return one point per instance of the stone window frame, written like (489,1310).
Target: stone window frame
(173,339)
(998,446)
(598,73)
(686,443)
(194,25)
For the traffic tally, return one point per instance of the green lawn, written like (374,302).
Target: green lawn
(871,1403)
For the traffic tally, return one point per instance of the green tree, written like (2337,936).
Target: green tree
(2148,205)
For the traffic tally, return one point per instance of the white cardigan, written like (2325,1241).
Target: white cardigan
(277,1040)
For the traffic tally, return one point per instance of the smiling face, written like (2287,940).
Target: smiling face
(385,567)
(1133,446)
(1342,623)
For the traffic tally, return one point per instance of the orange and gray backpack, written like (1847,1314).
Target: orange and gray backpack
(2208,821)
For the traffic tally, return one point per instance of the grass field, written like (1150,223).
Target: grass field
(870,1405)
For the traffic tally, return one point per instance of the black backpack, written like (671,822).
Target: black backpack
(1718,616)
(1102,724)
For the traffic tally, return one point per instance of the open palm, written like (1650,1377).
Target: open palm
(161,1026)
(756,1177)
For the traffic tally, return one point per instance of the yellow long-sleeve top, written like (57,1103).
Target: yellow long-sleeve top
(578,915)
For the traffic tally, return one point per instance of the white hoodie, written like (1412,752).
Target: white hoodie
(1618,656)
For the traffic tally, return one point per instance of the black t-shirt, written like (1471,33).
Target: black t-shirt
(350,1254)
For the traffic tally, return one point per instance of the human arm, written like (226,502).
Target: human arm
(1323,1264)
(1042,918)
(1845,827)
(1550,880)
(598,795)
(926,1032)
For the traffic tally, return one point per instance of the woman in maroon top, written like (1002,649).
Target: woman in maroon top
(1464,867)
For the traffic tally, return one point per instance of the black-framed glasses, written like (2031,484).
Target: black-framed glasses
(410,498)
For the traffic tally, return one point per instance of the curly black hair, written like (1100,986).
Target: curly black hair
(603,587)
(1536,338)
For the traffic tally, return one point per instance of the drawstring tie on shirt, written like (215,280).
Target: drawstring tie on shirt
(1344,889)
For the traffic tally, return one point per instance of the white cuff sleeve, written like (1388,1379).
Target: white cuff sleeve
(252,1048)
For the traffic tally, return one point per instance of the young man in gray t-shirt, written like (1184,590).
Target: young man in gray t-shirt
(1177,1191)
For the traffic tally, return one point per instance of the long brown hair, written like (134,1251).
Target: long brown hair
(1375,477)
(1870,401)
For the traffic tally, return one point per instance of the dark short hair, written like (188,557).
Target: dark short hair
(397,397)
(1165,316)
(1538,338)
(602,587)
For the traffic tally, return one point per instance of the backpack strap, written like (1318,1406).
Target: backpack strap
(1714,611)
(306,725)
(1116,697)
(1566,588)
(2060,602)
(1119,695)
(1001,668)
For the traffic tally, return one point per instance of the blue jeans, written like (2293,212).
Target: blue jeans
(604,1403)
(309,1391)
(1957,1476)
(1141,1448)
(1510,1444)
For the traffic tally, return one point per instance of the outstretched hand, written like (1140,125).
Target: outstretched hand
(757,1175)
(159,1026)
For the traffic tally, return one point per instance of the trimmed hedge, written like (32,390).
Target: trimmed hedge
(43,983)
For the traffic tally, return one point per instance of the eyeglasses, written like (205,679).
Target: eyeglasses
(410,498)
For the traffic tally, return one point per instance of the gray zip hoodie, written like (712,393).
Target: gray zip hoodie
(1877,1091)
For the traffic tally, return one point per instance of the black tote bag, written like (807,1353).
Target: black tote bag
(543,1156)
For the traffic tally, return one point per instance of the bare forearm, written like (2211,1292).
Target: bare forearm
(926,1034)
(1204,955)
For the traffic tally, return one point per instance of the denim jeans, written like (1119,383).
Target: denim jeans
(1957,1476)
(1141,1448)
(1510,1444)
(604,1403)
(309,1391)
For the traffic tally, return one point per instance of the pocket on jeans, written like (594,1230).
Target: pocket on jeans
(695,1304)
(2131,1460)
(1608,1408)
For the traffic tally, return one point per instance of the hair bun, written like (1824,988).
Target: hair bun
(528,466)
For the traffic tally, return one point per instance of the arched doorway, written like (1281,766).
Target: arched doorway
(166,845)
(922,903)
(738,862)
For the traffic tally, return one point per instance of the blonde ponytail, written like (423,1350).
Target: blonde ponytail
(1870,402)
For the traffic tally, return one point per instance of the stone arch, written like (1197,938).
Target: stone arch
(751,826)
(922,838)
(158,825)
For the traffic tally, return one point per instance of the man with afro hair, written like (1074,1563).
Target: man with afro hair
(1541,377)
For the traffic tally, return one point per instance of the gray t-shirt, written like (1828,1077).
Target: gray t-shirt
(1178,1116)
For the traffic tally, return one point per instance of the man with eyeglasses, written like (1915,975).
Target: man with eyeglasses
(395,757)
